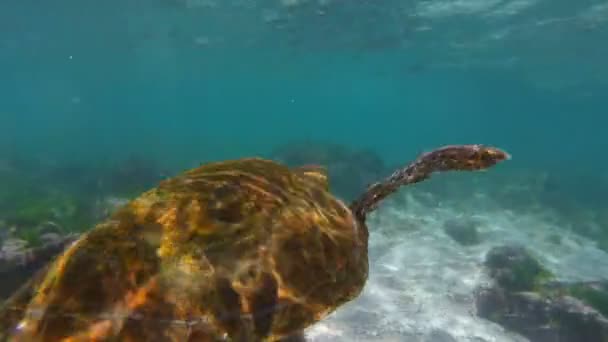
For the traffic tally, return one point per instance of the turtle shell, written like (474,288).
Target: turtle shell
(244,250)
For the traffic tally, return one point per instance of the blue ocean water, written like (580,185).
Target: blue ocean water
(211,80)
(182,82)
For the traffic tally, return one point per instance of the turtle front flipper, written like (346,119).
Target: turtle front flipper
(448,158)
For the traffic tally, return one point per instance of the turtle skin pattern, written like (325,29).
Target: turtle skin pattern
(243,250)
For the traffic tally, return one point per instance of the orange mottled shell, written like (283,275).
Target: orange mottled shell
(243,250)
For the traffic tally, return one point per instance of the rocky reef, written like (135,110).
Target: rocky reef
(527,299)
(44,206)
(350,170)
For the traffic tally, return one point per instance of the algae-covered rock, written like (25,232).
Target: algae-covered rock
(594,294)
(515,269)
(526,299)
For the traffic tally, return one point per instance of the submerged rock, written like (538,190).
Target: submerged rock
(463,232)
(514,269)
(525,299)
(351,171)
(594,294)
(11,248)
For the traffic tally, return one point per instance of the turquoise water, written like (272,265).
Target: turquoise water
(195,81)
(180,82)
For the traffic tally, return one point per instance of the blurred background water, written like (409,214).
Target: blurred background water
(178,82)
(197,79)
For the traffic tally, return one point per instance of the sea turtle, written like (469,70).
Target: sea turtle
(240,250)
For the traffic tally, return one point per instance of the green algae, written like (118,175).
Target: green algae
(530,276)
(31,236)
(597,299)
(33,212)
(525,274)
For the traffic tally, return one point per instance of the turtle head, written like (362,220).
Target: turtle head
(472,157)
(447,158)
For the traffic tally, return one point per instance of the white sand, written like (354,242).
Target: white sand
(422,283)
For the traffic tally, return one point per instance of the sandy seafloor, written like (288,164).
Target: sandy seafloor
(422,283)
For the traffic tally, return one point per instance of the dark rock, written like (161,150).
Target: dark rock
(350,171)
(543,318)
(524,300)
(463,232)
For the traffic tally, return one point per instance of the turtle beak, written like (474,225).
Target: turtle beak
(492,156)
(499,155)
